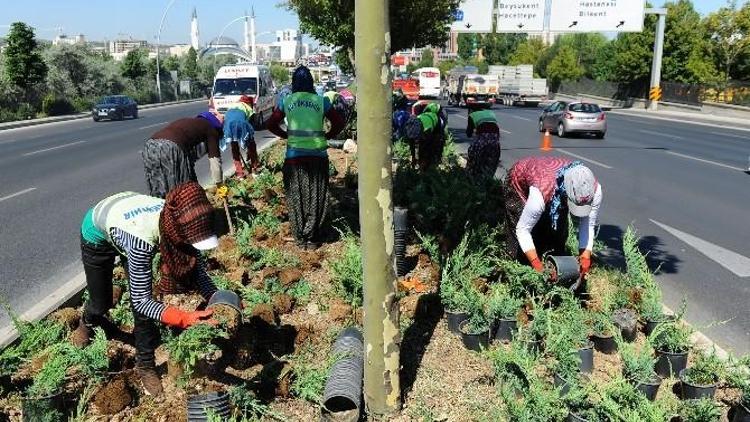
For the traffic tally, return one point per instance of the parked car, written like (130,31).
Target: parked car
(115,107)
(575,117)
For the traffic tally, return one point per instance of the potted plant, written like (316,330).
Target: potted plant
(475,331)
(603,332)
(502,309)
(455,303)
(738,376)
(515,366)
(671,339)
(638,368)
(700,380)
(700,410)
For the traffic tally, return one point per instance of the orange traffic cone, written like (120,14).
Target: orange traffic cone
(546,141)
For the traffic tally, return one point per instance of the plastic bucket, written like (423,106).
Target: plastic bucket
(454,320)
(648,388)
(566,268)
(226,297)
(587,358)
(696,391)
(199,405)
(741,413)
(475,342)
(670,364)
(604,344)
(504,329)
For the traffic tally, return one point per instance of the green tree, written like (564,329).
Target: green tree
(687,57)
(428,58)
(23,63)
(342,60)
(498,48)
(528,52)
(564,67)
(729,32)
(466,45)
(280,74)
(171,63)
(71,66)
(413,23)
(133,65)
(190,64)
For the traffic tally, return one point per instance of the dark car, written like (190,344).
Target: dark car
(115,107)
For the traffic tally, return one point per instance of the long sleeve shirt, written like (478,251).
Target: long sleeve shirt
(140,255)
(533,210)
(196,137)
(278,116)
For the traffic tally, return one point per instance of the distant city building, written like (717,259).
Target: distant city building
(287,48)
(179,49)
(194,33)
(124,46)
(62,39)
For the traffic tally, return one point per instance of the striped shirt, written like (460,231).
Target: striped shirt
(140,255)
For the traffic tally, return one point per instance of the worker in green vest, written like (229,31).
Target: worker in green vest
(484,152)
(306,164)
(426,137)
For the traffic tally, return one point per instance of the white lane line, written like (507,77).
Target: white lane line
(729,135)
(13,195)
(690,157)
(734,262)
(584,158)
(666,135)
(519,117)
(680,120)
(53,148)
(154,125)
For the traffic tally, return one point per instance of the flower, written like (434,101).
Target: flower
(222,192)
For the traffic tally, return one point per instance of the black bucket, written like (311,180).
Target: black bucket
(587,358)
(475,342)
(342,397)
(648,388)
(225,297)
(741,413)
(37,409)
(567,270)
(626,320)
(562,384)
(604,344)
(400,232)
(454,320)
(504,329)
(199,405)
(695,391)
(649,325)
(670,364)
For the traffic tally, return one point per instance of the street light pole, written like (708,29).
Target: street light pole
(655,91)
(158,44)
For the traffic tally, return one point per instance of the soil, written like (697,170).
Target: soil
(265,313)
(340,311)
(227,316)
(289,276)
(121,356)
(282,304)
(68,317)
(238,276)
(113,397)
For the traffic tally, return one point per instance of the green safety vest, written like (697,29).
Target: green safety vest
(304,116)
(132,213)
(429,121)
(483,116)
(432,108)
(331,95)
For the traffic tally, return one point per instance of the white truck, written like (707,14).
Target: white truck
(467,88)
(517,85)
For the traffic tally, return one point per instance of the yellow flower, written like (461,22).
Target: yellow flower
(222,192)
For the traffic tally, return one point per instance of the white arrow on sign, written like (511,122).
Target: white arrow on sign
(520,15)
(473,16)
(596,15)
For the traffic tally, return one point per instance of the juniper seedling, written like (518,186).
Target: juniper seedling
(33,338)
(707,369)
(637,365)
(247,407)
(702,410)
(672,337)
(502,304)
(196,342)
(347,271)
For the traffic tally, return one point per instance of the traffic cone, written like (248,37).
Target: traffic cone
(546,141)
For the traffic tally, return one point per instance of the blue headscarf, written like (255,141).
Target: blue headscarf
(215,123)
(236,129)
(302,80)
(560,194)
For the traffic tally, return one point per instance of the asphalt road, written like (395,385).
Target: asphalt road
(683,187)
(51,174)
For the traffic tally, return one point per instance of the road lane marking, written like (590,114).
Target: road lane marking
(53,148)
(731,135)
(153,125)
(666,135)
(519,117)
(564,151)
(690,157)
(734,262)
(13,195)
(706,124)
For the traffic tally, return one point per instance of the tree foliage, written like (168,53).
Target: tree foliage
(190,64)
(564,67)
(729,32)
(428,58)
(134,65)
(23,62)
(280,74)
(497,48)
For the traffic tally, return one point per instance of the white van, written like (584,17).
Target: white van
(233,81)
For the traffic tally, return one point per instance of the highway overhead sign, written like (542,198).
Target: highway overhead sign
(473,16)
(520,15)
(596,15)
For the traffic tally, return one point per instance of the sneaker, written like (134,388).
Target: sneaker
(150,380)
(81,337)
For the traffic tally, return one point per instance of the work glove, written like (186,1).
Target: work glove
(585,263)
(536,263)
(181,319)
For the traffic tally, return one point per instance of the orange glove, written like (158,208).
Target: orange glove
(537,265)
(585,262)
(181,319)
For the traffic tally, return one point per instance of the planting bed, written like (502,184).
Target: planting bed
(275,360)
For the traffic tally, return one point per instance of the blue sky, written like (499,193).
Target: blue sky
(108,19)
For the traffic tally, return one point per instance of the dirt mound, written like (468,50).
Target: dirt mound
(113,397)
(227,316)
(68,317)
(238,276)
(265,313)
(289,276)
(340,311)
(282,304)
(120,355)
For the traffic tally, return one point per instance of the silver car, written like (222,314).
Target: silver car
(574,117)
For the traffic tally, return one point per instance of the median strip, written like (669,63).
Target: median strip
(52,149)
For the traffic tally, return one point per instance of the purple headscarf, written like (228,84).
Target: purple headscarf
(215,123)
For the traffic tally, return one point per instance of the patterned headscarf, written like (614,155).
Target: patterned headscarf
(559,195)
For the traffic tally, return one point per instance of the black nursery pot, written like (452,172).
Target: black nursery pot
(604,343)
(475,342)
(587,358)
(741,413)
(47,408)
(504,330)
(696,391)
(562,384)
(650,324)
(670,364)
(648,388)
(197,406)
(455,319)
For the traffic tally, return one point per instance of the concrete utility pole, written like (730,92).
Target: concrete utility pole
(382,390)
(158,45)
(655,91)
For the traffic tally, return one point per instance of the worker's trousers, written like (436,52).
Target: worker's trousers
(98,264)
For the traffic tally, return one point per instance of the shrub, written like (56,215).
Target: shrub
(347,272)
(703,410)
(738,376)
(501,304)
(707,369)
(194,343)
(53,106)
(639,289)
(461,270)
(671,336)
(33,338)
(522,279)
(637,365)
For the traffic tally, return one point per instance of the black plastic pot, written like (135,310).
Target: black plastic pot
(566,269)
(695,391)
(225,297)
(572,417)
(626,320)
(198,405)
(400,231)
(604,343)
(741,413)
(562,384)
(649,325)
(587,358)
(48,408)
(475,342)
(648,388)
(670,364)
(504,329)
(454,320)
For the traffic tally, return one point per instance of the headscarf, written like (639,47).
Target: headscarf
(215,122)
(187,218)
(302,80)
(559,195)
